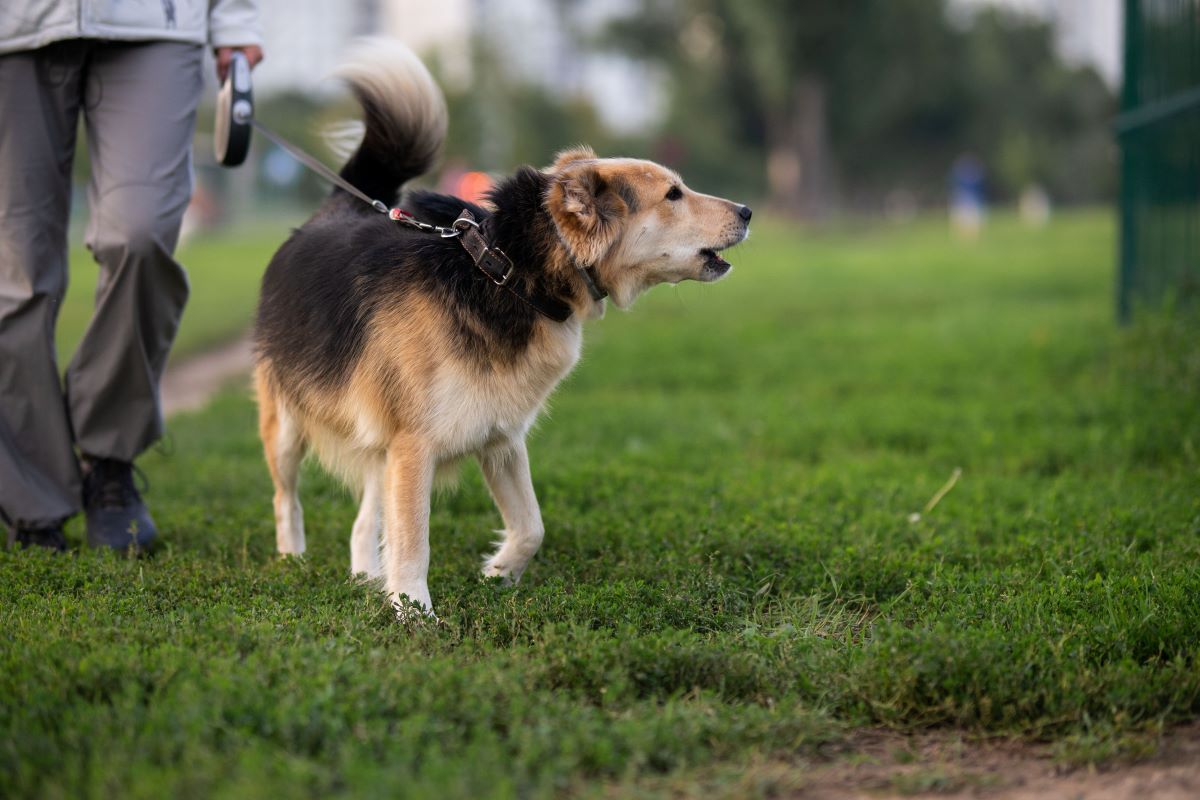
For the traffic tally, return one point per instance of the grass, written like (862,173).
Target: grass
(730,576)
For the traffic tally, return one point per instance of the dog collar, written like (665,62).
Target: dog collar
(499,268)
(593,285)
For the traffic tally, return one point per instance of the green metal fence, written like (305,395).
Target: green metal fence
(1159,133)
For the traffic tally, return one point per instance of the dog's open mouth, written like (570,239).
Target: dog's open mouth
(714,265)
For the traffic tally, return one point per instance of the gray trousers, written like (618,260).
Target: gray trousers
(138,102)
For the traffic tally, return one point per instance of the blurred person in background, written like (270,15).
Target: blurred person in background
(967,202)
(134,72)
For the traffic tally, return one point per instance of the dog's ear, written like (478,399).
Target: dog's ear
(579,153)
(587,209)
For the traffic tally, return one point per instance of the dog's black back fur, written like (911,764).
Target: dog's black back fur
(324,284)
(328,280)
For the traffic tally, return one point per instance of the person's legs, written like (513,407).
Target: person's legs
(40,92)
(140,109)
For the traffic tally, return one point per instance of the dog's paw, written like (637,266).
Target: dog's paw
(411,612)
(501,573)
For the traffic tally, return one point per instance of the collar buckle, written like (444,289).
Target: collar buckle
(460,226)
(496,265)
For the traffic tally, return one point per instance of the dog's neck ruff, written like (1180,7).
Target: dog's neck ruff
(499,268)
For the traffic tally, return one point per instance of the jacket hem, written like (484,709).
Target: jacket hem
(42,38)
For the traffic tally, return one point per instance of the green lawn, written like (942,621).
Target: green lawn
(731,575)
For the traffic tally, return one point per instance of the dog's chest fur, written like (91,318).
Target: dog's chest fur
(468,409)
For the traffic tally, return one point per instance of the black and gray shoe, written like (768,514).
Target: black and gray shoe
(116,515)
(50,537)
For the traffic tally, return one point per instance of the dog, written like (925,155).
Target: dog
(394,352)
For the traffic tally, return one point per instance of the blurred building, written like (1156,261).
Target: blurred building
(304,40)
(440,31)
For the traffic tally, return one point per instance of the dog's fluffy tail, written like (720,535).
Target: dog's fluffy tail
(405,116)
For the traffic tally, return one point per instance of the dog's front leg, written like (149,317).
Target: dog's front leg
(506,470)
(408,481)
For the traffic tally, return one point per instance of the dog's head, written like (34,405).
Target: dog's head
(638,224)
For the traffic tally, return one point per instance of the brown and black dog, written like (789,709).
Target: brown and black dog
(388,352)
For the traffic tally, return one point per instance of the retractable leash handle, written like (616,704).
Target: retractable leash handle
(235,121)
(235,114)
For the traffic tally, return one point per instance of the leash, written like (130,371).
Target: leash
(315,165)
(491,260)
(235,118)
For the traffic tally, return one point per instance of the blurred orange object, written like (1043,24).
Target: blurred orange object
(473,186)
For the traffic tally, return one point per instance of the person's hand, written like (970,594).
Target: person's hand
(254,54)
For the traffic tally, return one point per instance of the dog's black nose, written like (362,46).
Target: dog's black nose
(744,212)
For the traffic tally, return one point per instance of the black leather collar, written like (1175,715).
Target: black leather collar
(499,268)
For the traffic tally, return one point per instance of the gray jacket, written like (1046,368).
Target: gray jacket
(30,24)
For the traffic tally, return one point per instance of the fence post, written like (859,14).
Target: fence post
(1127,266)
(1158,129)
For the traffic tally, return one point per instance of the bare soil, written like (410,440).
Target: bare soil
(189,385)
(881,764)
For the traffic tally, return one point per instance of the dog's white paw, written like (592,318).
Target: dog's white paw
(409,611)
(497,567)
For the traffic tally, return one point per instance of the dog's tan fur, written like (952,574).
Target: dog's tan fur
(413,405)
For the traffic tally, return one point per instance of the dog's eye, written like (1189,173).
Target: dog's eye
(674,193)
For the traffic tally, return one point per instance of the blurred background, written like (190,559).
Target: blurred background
(960,117)
(882,108)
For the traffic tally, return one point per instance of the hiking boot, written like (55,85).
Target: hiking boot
(50,537)
(116,515)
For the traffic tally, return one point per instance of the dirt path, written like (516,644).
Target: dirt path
(191,384)
(888,765)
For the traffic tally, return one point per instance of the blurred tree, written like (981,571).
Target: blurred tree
(773,61)
(791,59)
(500,121)
(842,101)
(1036,119)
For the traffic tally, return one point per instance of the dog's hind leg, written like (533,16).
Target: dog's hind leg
(506,470)
(407,484)
(284,445)
(364,537)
